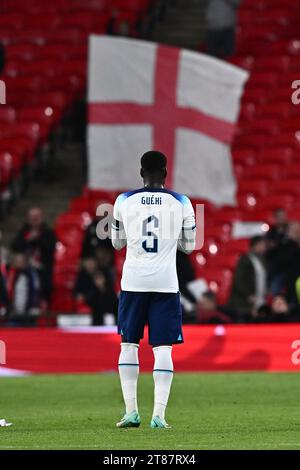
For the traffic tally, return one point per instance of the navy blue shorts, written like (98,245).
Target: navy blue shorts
(160,310)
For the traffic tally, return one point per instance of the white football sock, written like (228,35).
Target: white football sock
(163,376)
(129,372)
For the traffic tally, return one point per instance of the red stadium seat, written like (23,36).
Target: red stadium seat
(79,221)
(275,64)
(278,200)
(271,172)
(134,5)
(288,186)
(266,79)
(80,204)
(7,115)
(21,51)
(245,62)
(43,115)
(278,109)
(258,187)
(238,246)
(259,215)
(42,20)
(255,139)
(245,157)
(66,35)
(11,20)
(84,20)
(293,171)
(225,261)
(277,155)
(286,46)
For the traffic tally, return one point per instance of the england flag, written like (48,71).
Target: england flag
(144,96)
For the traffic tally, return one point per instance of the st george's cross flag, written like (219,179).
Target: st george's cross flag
(145,96)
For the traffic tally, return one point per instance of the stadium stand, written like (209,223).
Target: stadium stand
(264,157)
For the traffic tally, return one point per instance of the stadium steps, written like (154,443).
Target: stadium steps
(183,25)
(52,193)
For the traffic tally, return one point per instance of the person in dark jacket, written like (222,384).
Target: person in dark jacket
(288,262)
(249,287)
(102,299)
(37,241)
(3,295)
(23,287)
(85,279)
(276,237)
(92,243)
(186,274)
(221,19)
(94,288)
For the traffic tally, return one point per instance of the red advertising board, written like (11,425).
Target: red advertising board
(206,348)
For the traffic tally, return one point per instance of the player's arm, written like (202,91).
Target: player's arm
(187,241)
(118,235)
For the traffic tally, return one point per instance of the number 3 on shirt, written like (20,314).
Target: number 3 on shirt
(148,234)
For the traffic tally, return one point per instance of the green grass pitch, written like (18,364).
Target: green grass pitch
(207,411)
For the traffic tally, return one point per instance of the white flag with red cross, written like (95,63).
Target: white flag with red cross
(145,96)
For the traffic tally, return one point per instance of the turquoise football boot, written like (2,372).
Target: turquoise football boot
(157,422)
(130,420)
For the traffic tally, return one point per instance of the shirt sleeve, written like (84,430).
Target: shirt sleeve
(118,235)
(187,241)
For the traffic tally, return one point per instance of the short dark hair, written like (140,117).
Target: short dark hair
(279,209)
(153,161)
(255,240)
(209,295)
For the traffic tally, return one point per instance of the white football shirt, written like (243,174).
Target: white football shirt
(153,223)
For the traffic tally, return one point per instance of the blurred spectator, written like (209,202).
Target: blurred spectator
(279,228)
(23,287)
(102,299)
(94,288)
(92,243)
(37,241)
(85,282)
(288,262)
(116,27)
(278,312)
(275,237)
(3,294)
(3,289)
(221,17)
(209,311)
(249,287)
(186,274)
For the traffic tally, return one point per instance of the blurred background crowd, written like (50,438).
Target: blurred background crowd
(265,285)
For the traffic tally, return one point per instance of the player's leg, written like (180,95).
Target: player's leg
(165,329)
(129,372)
(162,376)
(131,320)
